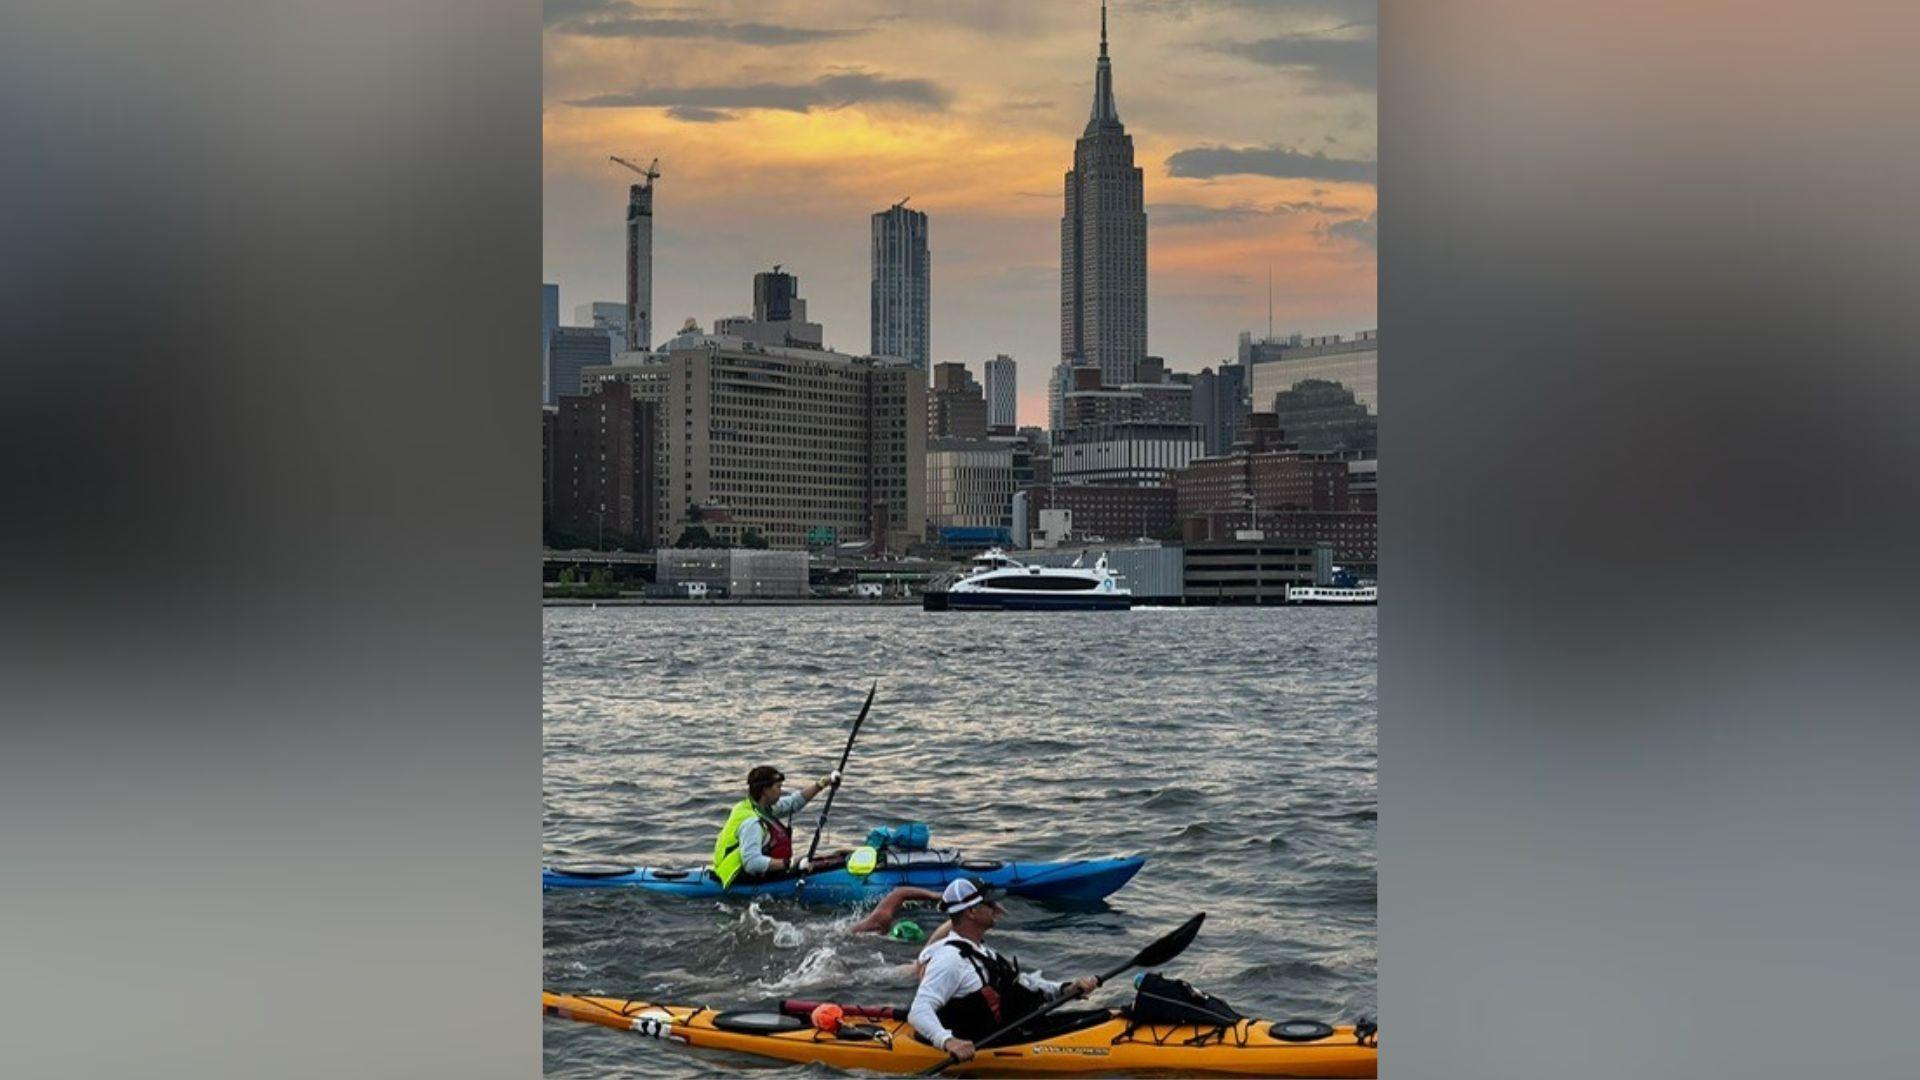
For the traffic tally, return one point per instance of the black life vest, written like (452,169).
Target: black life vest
(999,1001)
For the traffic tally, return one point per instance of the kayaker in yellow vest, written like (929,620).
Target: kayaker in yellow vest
(757,840)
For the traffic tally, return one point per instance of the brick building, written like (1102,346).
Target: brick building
(1110,511)
(1261,473)
(1353,535)
(956,404)
(600,482)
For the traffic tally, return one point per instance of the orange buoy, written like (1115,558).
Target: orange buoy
(826,1016)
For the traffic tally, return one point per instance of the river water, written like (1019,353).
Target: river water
(1234,747)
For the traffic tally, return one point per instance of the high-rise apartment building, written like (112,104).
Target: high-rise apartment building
(1003,397)
(1103,242)
(601,460)
(792,444)
(902,286)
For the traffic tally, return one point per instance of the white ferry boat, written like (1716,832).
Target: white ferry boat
(1333,594)
(1344,590)
(1000,583)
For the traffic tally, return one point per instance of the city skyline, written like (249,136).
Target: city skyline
(1254,124)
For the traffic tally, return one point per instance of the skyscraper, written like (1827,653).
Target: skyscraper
(570,349)
(640,257)
(779,314)
(902,285)
(1103,242)
(1002,402)
(605,315)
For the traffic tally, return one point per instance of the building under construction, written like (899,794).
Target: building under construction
(640,256)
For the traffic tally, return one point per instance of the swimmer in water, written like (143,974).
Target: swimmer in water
(886,919)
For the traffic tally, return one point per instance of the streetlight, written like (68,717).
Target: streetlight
(1253,530)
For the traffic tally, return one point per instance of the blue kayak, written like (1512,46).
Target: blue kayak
(1077,881)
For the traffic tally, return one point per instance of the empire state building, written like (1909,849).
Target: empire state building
(1103,243)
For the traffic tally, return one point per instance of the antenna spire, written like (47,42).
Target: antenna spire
(1104,112)
(1269,301)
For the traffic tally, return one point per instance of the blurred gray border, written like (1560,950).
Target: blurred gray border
(1647,737)
(270,792)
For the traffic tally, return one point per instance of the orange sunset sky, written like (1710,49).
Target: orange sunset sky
(781,125)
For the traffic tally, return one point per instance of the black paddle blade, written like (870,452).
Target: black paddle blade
(1172,945)
(862,718)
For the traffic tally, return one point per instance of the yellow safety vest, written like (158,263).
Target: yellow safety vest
(728,859)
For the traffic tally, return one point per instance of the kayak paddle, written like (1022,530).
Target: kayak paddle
(1153,955)
(844,754)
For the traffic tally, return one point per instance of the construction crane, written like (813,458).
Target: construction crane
(902,202)
(651,172)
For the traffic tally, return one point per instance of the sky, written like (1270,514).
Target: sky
(782,125)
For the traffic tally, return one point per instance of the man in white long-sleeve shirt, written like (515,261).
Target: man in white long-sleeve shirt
(969,991)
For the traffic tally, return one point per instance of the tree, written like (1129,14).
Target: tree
(752,539)
(695,536)
(568,576)
(602,577)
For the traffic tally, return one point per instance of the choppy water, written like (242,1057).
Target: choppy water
(1234,747)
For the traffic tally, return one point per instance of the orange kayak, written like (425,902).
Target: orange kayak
(1093,1041)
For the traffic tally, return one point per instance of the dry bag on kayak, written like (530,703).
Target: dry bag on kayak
(909,837)
(1160,1000)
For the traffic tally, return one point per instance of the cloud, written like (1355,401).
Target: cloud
(1210,161)
(1345,64)
(1195,214)
(553,12)
(605,19)
(1355,10)
(694,114)
(1364,230)
(826,92)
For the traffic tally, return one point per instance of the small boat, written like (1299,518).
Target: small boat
(1075,882)
(1105,1041)
(999,582)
